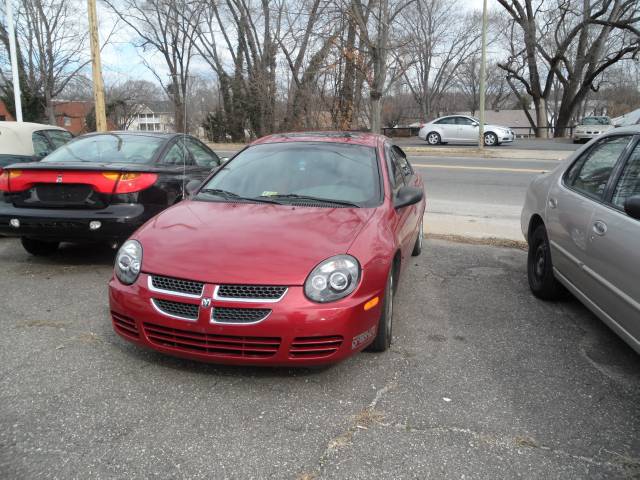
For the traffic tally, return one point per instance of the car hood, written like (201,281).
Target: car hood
(246,243)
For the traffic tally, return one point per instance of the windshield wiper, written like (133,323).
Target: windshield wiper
(227,194)
(295,196)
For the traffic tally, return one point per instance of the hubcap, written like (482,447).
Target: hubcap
(489,140)
(433,139)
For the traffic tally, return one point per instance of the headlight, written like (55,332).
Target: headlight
(332,279)
(129,262)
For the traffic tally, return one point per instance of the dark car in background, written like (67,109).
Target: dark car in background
(28,142)
(99,187)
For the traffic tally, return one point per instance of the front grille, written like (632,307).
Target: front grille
(239,315)
(214,345)
(251,292)
(125,325)
(177,285)
(178,309)
(305,347)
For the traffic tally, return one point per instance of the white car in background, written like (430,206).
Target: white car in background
(28,142)
(591,127)
(463,129)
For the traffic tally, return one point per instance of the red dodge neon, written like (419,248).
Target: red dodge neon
(290,254)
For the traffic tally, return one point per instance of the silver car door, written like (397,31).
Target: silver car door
(613,258)
(467,129)
(570,205)
(449,129)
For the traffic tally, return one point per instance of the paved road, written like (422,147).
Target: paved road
(483,381)
(520,144)
(477,197)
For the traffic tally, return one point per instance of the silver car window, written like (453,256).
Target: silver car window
(629,184)
(591,173)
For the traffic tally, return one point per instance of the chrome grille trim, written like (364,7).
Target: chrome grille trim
(216,296)
(171,292)
(159,309)
(213,320)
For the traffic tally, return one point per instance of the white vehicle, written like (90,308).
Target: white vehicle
(591,127)
(28,142)
(463,129)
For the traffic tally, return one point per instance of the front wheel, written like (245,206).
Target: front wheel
(385,324)
(542,282)
(433,138)
(39,248)
(490,139)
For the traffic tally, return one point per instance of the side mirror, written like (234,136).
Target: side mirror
(192,187)
(475,124)
(632,207)
(407,196)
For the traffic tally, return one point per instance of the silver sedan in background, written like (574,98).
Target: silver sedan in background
(582,223)
(463,129)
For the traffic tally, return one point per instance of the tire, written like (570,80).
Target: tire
(417,247)
(433,138)
(385,325)
(490,139)
(542,282)
(39,248)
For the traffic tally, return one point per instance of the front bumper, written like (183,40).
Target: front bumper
(118,222)
(588,135)
(506,137)
(296,332)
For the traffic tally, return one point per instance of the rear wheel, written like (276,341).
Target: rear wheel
(433,138)
(385,324)
(542,282)
(417,247)
(39,248)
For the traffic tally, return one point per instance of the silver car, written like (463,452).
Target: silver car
(463,129)
(582,223)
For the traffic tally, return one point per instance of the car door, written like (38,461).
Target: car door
(448,128)
(467,130)
(402,216)
(205,159)
(613,258)
(414,212)
(178,168)
(570,207)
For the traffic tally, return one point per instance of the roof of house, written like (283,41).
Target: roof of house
(159,106)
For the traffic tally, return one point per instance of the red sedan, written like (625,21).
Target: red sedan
(290,254)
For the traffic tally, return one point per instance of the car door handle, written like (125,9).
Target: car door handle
(600,228)
(553,203)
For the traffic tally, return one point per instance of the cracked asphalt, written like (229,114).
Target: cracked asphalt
(483,381)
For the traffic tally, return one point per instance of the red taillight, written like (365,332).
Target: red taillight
(101,182)
(5,179)
(130,182)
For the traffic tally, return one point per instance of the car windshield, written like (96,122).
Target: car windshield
(300,172)
(108,147)
(596,121)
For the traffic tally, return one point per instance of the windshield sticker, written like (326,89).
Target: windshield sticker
(269,194)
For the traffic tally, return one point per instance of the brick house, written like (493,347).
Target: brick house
(4,113)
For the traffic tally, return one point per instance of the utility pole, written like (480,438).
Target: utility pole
(14,62)
(483,74)
(98,86)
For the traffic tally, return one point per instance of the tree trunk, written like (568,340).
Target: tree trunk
(376,111)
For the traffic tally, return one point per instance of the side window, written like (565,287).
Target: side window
(402,162)
(58,137)
(590,174)
(202,155)
(463,121)
(446,121)
(629,183)
(41,145)
(395,173)
(177,154)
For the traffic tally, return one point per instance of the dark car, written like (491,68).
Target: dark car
(99,187)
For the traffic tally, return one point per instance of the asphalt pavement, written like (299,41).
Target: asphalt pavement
(482,381)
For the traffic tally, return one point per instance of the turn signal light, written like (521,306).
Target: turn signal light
(371,303)
(5,178)
(130,182)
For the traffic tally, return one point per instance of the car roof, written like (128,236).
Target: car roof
(352,138)
(15,137)
(139,133)
(631,129)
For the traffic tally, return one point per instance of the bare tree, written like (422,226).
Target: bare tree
(126,100)
(52,49)
(574,41)
(162,27)
(442,41)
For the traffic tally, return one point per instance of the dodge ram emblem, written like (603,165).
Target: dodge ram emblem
(206,302)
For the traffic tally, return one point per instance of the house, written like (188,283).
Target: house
(72,115)
(5,115)
(154,117)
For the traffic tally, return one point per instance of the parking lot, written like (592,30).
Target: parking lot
(483,381)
